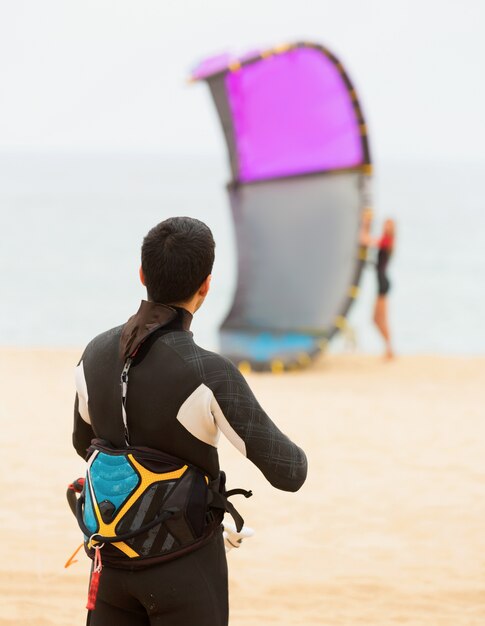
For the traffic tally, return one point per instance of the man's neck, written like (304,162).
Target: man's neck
(184,305)
(190,306)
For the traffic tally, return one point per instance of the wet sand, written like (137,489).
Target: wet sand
(388,529)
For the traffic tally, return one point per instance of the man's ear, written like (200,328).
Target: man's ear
(204,288)
(142,276)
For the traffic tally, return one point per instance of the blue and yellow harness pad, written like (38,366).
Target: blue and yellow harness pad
(125,490)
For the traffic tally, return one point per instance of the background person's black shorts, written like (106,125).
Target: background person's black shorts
(384,284)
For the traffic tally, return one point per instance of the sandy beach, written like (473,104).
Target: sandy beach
(388,529)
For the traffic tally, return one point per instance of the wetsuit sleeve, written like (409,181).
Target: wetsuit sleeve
(243,421)
(82,432)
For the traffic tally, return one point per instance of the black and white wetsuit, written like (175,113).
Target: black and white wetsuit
(180,398)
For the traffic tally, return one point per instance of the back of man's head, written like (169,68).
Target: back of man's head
(177,255)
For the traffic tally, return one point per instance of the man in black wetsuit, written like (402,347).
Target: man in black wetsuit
(181,397)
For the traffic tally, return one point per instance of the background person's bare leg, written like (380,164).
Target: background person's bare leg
(381,321)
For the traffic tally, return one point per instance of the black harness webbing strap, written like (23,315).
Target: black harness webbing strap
(72,500)
(238,492)
(76,486)
(219,500)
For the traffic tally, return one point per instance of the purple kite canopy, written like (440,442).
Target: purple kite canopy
(300,162)
(291,113)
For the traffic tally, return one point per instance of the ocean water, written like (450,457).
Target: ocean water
(71,227)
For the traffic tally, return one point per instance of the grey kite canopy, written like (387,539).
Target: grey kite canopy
(300,161)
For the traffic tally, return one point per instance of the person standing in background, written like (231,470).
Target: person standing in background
(385,247)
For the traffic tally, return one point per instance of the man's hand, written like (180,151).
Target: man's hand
(232,538)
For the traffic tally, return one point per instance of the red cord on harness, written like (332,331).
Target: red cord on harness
(94,582)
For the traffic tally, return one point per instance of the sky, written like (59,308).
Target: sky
(110,75)
(102,79)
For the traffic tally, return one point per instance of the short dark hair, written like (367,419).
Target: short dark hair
(177,255)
